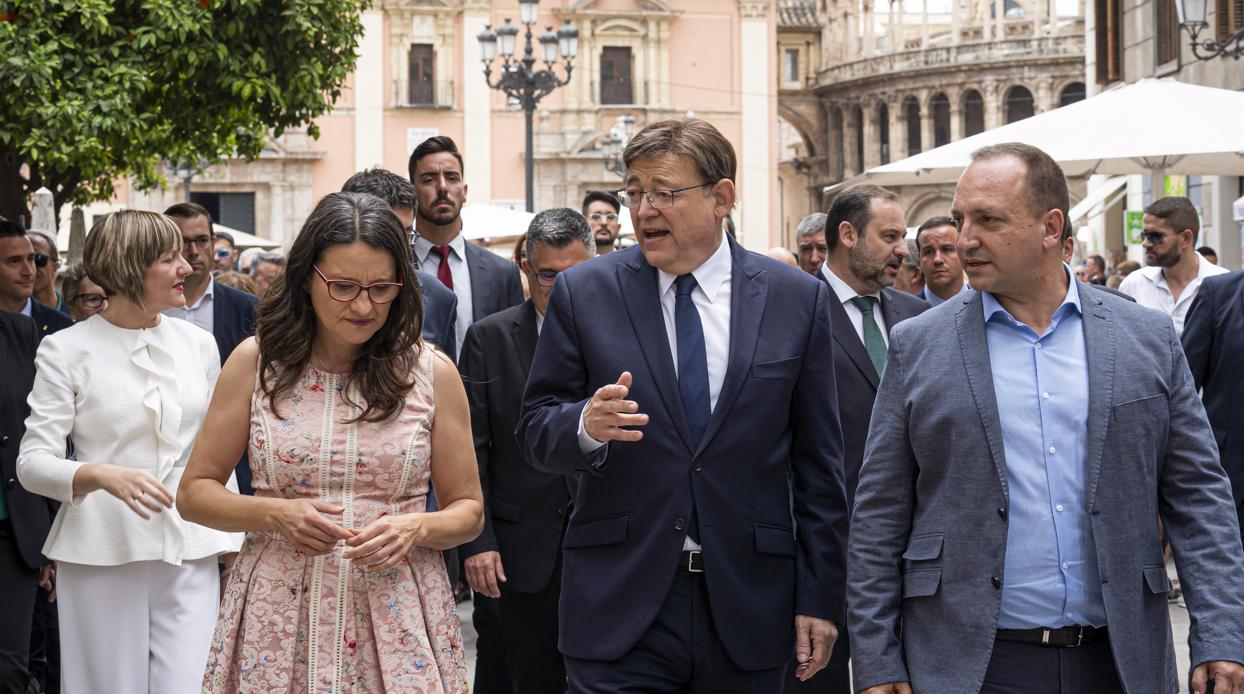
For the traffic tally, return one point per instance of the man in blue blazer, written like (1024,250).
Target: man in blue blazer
(1213,340)
(705,549)
(1027,436)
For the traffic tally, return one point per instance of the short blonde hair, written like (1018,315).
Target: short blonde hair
(123,246)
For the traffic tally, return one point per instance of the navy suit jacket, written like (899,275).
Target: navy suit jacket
(766,479)
(495,285)
(1213,340)
(233,318)
(47,319)
(856,376)
(440,312)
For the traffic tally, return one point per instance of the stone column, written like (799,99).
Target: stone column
(986,27)
(995,110)
(758,164)
(924,21)
(1038,16)
(956,117)
(927,139)
(872,136)
(956,22)
(477,102)
(369,94)
(1044,98)
(870,29)
(999,17)
(898,131)
(850,162)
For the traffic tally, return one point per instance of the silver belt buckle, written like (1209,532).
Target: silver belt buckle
(1045,637)
(692,556)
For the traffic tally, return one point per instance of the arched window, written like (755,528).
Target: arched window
(973,113)
(858,114)
(835,142)
(883,129)
(940,107)
(911,113)
(1071,93)
(1019,104)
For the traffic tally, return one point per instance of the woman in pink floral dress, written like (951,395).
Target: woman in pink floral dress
(340,586)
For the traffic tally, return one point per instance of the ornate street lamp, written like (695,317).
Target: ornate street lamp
(1192,17)
(518,78)
(615,142)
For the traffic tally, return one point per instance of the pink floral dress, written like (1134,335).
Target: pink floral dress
(290,622)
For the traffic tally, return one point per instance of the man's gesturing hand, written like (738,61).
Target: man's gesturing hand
(814,641)
(609,410)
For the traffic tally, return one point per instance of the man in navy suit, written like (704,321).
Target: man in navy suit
(440,305)
(1213,340)
(706,546)
(484,283)
(17,280)
(227,313)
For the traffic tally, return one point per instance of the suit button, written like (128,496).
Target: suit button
(11,483)
(698,466)
(997,582)
(679,524)
(1002,513)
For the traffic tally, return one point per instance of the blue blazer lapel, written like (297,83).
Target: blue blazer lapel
(970,325)
(637,282)
(748,291)
(1099,347)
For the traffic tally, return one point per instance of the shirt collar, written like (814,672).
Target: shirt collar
(208,295)
(424,246)
(843,290)
(993,309)
(28,306)
(711,274)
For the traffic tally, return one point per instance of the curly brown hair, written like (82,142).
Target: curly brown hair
(384,367)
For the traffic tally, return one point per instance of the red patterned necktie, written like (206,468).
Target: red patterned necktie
(442,272)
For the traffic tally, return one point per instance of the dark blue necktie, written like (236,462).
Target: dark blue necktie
(692,371)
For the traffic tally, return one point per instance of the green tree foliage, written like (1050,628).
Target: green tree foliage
(100,89)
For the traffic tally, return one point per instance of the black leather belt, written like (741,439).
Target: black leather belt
(691,561)
(1063,637)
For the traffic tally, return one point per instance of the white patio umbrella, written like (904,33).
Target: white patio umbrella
(1154,126)
(241,239)
(493,222)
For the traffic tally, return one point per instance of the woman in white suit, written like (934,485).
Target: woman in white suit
(138,586)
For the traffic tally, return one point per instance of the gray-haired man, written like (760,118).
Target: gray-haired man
(517,556)
(810,240)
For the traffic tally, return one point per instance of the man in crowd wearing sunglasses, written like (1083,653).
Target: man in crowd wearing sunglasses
(602,210)
(47,265)
(517,558)
(1174,270)
(225,253)
(18,272)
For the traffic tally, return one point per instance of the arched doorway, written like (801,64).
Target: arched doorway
(883,130)
(1071,93)
(939,105)
(973,113)
(911,114)
(1019,104)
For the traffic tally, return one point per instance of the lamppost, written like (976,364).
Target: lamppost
(615,142)
(518,78)
(1192,17)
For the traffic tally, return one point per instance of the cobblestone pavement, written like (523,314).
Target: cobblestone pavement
(1179,625)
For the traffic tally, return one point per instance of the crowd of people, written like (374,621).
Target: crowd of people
(951,463)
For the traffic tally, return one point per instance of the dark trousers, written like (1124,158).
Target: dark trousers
(681,652)
(834,679)
(529,627)
(17,586)
(1021,668)
(492,675)
(45,646)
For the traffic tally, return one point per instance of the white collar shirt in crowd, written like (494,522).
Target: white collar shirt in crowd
(29,305)
(200,313)
(460,270)
(1149,288)
(845,294)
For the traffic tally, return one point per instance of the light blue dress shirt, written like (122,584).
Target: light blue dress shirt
(1041,386)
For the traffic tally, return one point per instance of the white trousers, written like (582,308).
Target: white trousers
(140,627)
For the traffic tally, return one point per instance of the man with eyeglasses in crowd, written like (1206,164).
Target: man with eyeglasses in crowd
(1173,271)
(517,559)
(18,266)
(227,313)
(224,254)
(47,265)
(602,209)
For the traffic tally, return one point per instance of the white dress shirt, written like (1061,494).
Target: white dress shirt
(460,270)
(200,313)
(845,294)
(539,323)
(1149,288)
(27,307)
(133,398)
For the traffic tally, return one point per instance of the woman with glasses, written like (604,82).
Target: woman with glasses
(137,585)
(83,297)
(340,585)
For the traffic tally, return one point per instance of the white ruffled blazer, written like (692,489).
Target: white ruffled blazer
(127,397)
